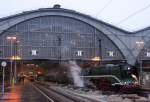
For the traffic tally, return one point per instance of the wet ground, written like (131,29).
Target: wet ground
(23,93)
(28,92)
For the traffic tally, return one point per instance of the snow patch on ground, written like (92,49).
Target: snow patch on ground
(99,97)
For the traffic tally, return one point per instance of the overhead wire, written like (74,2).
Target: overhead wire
(107,4)
(133,14)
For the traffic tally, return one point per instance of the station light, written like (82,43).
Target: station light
(39,73)
(96,59)
(15,58)
(140,43)
(8,38)
(14,38)
(11,38)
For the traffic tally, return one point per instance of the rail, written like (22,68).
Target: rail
(61,96)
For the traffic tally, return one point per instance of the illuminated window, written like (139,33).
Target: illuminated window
(110,53)
(34,52)
(79,53)
(148,54)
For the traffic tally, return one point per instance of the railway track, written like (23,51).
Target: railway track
(58,96)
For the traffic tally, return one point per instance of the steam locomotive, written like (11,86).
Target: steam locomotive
(120,77)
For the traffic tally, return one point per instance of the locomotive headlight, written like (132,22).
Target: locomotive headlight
(125,83)
(128,82)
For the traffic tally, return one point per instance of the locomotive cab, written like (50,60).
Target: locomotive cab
(118,78)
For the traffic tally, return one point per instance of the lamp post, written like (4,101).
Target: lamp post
(141,72)
(100,49)
(3,64)
(16,57)
(11,39)
(59,44)
(140,45)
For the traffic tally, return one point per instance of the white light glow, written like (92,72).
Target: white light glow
(96,59)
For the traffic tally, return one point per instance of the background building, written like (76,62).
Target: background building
(61,34)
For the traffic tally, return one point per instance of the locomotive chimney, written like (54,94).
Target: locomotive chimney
(57,6)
